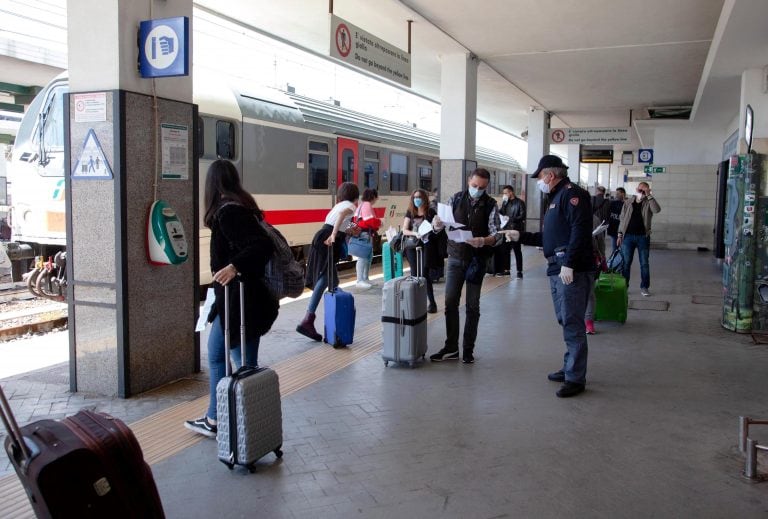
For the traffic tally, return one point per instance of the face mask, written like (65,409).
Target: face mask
(505,198)
(543,186)
(640,195)
(417,202)
(475,192)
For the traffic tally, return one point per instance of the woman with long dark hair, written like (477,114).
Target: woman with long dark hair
(418,212)
(239,247)
(331,237)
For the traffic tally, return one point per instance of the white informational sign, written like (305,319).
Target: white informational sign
(90,107)
(590,135)
(357,47)
(92,163)
(174,141)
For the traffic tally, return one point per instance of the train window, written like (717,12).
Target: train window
(347,166)
(371,169)
(318,160)
(200,137)
(424,168)
(398,179)
(53,137)
(225,140)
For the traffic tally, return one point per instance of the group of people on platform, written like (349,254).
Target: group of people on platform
(240,247)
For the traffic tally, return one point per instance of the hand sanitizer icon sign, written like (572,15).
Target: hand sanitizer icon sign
(161,47)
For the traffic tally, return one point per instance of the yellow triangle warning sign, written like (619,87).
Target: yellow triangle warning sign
(92,162)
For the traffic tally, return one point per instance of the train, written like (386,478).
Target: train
(291,151)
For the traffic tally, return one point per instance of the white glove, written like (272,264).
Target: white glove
(512,235)
(566,275)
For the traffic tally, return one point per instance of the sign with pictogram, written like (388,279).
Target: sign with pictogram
(164,47)
(90,107)
(92,163)
(589,136)
(359,48)
(645,155)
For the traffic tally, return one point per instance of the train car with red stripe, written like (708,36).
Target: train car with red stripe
(292,153)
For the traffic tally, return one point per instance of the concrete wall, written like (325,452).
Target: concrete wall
(686,194)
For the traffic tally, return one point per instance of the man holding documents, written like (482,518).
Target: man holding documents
(471,220)
(567,243)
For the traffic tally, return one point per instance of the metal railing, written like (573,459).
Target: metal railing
(750,447)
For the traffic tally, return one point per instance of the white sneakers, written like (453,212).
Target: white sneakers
(363,285)
(644,292)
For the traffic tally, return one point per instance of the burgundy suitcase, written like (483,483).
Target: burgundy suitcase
(88,465)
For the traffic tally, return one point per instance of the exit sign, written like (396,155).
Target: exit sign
(654,169)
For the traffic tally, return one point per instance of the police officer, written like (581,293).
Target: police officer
(567,243)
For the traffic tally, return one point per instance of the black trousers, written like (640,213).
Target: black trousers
(501,257)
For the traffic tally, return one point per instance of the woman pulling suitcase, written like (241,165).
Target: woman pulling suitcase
(239,247)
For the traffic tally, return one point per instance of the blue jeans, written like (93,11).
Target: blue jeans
(363,268)
(570,303)
(454,282)
(216,359)
(643,245)
(317,293)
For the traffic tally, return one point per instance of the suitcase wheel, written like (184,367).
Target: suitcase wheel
(337,344)
(386,363)
(230,466)
(278,452)
(251,468)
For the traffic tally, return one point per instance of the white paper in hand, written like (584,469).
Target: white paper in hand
(600,229)
(445,212)
(210,297)
(391,232)
(424,229)
(459,236)
(504,220)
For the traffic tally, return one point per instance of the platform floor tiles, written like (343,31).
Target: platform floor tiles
(654,435)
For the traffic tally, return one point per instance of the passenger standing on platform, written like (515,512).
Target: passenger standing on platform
(601,204)
(566,238)
(239,247)
(366,219)
(466,262)
(635,233)
(614,216)
(417,213)
(331,237)
(514,209)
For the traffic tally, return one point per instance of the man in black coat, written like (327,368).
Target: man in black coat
(512,208)
(566,238)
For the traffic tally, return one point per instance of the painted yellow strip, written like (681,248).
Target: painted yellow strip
(162,434)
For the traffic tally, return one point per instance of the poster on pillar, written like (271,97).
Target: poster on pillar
(363,50)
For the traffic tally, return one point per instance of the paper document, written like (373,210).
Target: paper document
(445,212)
(210,297)
(504,220)
(424,229)
(391,232)
(459,236)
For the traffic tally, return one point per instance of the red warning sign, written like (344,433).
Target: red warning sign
(343,40)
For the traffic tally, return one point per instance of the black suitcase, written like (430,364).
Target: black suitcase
(88,465)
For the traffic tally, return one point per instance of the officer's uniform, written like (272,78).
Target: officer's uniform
(567,241)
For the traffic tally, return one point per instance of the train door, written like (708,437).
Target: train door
(347,158)
(371,169)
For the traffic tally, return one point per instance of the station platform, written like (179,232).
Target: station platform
(654,435)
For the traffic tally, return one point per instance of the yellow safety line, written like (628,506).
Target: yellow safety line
(162,434)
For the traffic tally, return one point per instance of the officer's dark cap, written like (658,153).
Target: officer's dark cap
(548,161)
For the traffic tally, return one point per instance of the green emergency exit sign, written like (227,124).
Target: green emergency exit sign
(654,169)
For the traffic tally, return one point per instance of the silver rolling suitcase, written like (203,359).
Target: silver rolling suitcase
(250,418)
(404,318)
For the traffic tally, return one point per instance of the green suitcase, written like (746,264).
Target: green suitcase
(392,263)
(611,299)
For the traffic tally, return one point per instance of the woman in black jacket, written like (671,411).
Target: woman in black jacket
(239,247)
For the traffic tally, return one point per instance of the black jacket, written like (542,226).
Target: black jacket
(237,238)
(515,210)
(567,228)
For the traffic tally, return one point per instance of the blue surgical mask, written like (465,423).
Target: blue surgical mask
(417,202)
(476,192)
(543,186)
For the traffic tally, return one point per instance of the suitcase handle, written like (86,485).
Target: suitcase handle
(14,433)
(227,341)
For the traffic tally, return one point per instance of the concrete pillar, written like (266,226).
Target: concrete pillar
(458,122)
(753,93)
(538,146)
(574,162)
(131,323)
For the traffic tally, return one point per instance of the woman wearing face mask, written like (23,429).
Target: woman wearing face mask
(419,211)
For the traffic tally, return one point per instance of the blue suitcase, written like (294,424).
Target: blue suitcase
(339,317)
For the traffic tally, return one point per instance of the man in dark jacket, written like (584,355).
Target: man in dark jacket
(567,241)
(514,209)
(600,204)
(614,215)
(466,262)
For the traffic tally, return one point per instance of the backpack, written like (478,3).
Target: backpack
(283,275)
